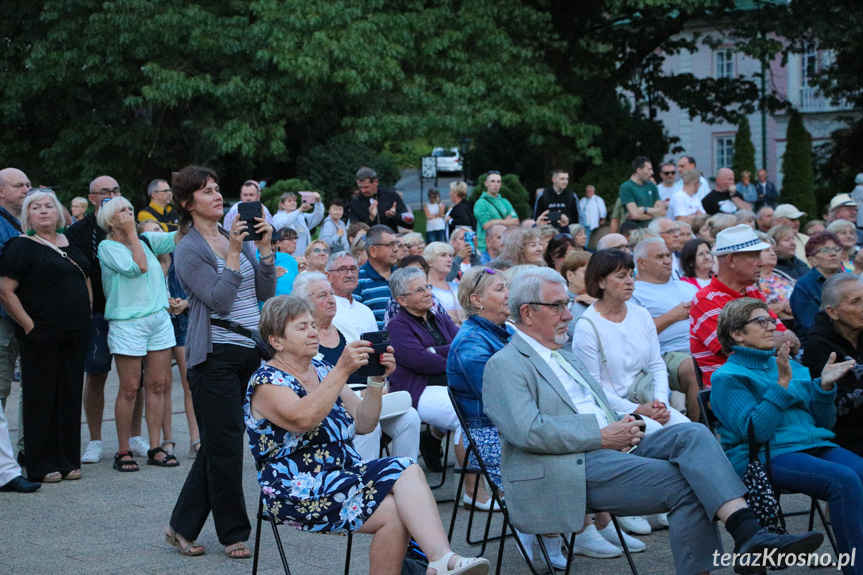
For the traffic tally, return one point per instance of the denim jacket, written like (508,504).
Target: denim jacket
(476,341)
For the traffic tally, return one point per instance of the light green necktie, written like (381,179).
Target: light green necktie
(567,367)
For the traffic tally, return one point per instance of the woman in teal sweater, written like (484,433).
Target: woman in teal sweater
(791,412)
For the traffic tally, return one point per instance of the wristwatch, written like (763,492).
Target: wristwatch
(645,210)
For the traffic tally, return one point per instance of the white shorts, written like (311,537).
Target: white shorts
(135,337)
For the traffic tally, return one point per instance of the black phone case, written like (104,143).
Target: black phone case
(380,340)
(247,212)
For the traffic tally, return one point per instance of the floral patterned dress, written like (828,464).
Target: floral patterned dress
(316,481)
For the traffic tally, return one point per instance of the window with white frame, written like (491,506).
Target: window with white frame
(724,63)
(809,66)
(724,150)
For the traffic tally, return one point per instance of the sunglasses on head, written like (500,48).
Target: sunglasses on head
(479,277)
(490,172)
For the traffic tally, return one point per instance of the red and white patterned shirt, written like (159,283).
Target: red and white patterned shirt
(703,317)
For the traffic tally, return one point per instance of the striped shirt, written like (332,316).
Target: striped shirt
(245,310)
(373,290)
(703,318)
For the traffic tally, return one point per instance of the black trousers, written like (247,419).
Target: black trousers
(52,382)
(215,481)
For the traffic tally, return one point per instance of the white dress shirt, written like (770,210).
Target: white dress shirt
(353,319)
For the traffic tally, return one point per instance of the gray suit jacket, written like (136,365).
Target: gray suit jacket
(543,438)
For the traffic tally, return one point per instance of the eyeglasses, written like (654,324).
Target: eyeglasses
(420,291)
(479,277)
(389,245)
(829,250)
(762,321)
(557,307)
(671,173)
(106,193)
(320,251)
(168,191)
(674,231)
(345,269)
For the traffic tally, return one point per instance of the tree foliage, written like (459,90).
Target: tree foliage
(743,159)
(798,182)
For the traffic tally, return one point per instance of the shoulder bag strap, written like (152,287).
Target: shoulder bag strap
(503,217)
(8,217)
(62,254)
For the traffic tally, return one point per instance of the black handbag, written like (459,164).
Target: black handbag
(255,335)
(760,496)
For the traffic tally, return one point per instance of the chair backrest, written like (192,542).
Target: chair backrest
(708,418)
(699,378)
(466,431)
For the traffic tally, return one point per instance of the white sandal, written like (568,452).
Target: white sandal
(464,566)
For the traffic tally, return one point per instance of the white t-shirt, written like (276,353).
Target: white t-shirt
(665,192)
(658,299)
(682,204)
(447,297)
(630,347)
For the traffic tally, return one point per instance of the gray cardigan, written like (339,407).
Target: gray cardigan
(208,291)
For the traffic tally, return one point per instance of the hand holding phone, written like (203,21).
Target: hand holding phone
(380,341)
(247,212)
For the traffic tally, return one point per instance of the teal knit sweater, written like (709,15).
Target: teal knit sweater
(745,389)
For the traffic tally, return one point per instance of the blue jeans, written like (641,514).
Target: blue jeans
(835,475)
(436,236)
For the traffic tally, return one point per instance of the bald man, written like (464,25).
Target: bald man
(724,197)
(613,242)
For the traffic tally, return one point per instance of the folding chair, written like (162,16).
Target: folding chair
(709,419)
(571,546)
(262,516)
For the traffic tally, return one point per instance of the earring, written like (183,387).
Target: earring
(480,308)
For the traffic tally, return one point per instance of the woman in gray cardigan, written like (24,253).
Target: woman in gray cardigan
(224,281)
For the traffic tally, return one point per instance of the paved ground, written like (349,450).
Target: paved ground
(112,523)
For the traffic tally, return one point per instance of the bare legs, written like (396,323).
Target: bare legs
(155,382)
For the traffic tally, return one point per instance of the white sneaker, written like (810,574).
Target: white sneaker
(552,545)
(662,518)
(467,501)
(527,541)
(93,454)
(139,445)
(591,544)
(635,524)
(610,534)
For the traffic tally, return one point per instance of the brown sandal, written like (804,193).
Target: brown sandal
(190,549)
(235,551)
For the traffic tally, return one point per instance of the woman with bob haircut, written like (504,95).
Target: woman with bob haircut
(777,398)
(53,333)
(224,280)
(439,257)
(140,329)
(301,417)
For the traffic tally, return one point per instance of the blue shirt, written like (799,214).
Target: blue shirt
(805,303)
(7,230)
(373,290)
(476,341)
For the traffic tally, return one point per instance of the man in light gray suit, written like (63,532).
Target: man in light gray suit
(565,451)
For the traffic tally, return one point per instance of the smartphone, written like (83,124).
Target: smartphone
(469,237)
(307,197)
(380,340)
(554,217)
(247,212)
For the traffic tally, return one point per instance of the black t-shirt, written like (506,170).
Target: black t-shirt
(565,202)
(462,215)
(718,202)
(52,290)
(87,235)
(332,355)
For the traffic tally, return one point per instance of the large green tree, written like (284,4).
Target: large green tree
(798,181)
(743,159)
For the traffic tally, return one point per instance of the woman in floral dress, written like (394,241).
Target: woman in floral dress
(301,418)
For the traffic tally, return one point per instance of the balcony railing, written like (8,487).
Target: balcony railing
(812,100)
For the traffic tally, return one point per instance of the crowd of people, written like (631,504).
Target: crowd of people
(575,352)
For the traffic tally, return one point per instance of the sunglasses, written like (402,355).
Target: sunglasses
(667,173)
(490,172)
(479,277)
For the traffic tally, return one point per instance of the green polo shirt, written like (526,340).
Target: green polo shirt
(645,196)
(486,208)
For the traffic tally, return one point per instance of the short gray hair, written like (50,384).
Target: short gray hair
(745,216)
(337,256)
(154,185)
(638,235)
(25,209)
(435,249)
(276,314)
(831,291)
(840,226)
(402,277)
(655,225)
(528,288)
(366,173)
(304,280)
(690,176)
(641,249)
(734,317)
(109,210)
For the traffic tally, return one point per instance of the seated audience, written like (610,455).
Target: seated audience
(523,246)
(847,233)
(317,254)
(546,232)
(300,419)
(485,297)
(414,243)
(373,283)
(439,256)
(403,429)
(784,407)
(564,449)
(667,301)
(788,215)
(465,253)
(333,230)
(140,330)
(813,227)
(746,217)
(837,330)
(573,269)
(738,250)
(558,248)
(52,332)
(822,251)
(423,341)
(718,222)
(616,340)
(775,285)
(393,306)
(579,234)
(493,243)
(356,232)
(670,232)
(787,261)
(613,242)
(764,218)
(696,263)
